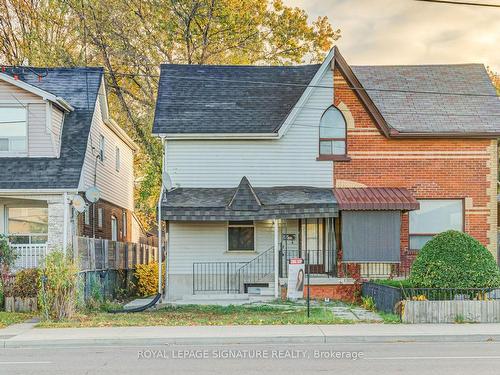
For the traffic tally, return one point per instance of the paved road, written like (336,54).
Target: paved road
(383,358)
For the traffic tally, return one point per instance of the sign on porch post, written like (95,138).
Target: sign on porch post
(296,278)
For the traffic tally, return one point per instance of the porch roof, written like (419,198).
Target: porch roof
(248,203)
(381,198)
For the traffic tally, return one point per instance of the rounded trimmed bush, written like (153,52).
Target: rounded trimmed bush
(454,259)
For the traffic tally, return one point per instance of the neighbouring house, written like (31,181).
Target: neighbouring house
(353,168)
(57,139)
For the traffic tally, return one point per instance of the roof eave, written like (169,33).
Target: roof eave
(179,136)
(352,80)
(463,135)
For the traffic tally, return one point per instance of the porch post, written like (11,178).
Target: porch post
(276,258)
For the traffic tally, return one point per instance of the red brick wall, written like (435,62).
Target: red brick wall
(104,232)
(342,292)
(430,168)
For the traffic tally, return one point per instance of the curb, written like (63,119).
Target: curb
(144,341)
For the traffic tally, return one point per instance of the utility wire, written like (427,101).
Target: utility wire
(449,2)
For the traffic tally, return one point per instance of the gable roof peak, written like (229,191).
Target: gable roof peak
(245,198)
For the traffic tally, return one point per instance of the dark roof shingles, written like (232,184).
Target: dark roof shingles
(228,99)
(79,87)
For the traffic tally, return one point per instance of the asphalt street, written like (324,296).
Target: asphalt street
(360,358)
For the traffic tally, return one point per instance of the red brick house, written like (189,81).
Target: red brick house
(353,168)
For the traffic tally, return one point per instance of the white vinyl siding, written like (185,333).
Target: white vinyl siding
(207,242)
(290,160)
(116,187)
(43,129)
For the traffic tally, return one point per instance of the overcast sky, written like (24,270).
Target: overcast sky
(411,32)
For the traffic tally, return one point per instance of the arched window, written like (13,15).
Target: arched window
(332,133)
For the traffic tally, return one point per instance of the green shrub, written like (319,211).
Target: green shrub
(7,257)
(58,287)
(26,283)
(454,259)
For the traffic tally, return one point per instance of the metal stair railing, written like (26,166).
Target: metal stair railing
(254,271)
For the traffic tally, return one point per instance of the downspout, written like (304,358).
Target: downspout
(65,222)
(160,244)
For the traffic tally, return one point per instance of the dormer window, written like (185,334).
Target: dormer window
(13,129)
(332,133)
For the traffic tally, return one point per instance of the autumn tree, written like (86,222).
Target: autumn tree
(132,38)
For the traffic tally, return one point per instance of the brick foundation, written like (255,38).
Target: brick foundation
(341,292)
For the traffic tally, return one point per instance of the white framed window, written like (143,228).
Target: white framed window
(124,223)
(241,236)
(100,216)
(13,129)
(433,217)
(117,159)
(114,229)
(332,133)
(27,225)
(102,148)
(86,216)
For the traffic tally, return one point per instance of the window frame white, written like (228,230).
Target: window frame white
(332,140)
(236,224)
(100,217)
(117,159)
(26,126)
(432,234)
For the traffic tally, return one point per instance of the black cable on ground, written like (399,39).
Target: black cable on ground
(139,308)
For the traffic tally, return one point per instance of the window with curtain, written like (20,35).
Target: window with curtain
(332,133)
(28,224)
(433,217)
(241,236)
(13,129)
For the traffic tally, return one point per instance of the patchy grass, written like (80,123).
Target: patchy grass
(204,315)
(8,318)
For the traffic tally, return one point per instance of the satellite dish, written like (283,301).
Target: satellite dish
(166,180)
(92,194)
(78,203)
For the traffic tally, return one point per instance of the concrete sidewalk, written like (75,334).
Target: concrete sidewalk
(14,337)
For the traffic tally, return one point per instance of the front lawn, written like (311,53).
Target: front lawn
(8,318)
(204,315)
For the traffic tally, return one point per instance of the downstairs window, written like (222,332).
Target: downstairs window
(241,236)
(433,217)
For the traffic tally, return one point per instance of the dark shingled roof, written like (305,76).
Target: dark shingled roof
(213,204)
(64,172)
(434,109)
(213,98)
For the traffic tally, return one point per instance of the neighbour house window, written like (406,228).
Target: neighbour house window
(117,159)
(433,217)
(114,229)
(124,223)
(332,133)
(100,215)
(86,216)
(102,145)
(28,224)
(13,129)
(241,236)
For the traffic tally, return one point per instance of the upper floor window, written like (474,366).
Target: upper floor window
(13,129)
(332,133)
(102,145)
(117,159)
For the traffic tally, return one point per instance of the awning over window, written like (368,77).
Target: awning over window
(375,199)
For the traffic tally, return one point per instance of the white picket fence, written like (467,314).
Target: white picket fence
(29,255)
